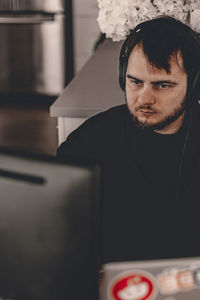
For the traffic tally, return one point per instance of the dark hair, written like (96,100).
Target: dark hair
(160,38)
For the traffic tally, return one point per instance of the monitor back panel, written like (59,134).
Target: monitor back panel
(48,229)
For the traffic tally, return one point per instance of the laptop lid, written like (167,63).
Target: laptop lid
(168,279)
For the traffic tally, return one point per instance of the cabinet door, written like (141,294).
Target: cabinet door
(32,54)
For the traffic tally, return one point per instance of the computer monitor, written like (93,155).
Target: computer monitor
(49,215)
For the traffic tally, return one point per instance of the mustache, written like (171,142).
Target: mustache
(147,108)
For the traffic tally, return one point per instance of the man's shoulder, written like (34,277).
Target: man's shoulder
(98,133)
(111,114)
(108,119)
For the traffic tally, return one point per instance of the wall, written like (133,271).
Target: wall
(85,30)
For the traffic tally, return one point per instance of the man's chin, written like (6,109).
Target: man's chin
(147,125)
(161,124)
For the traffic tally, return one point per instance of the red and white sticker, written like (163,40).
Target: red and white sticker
(133,286)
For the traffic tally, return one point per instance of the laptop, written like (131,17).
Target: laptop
(48,228)
(168,279)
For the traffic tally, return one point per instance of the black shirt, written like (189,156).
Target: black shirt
(158,156)
(142,218)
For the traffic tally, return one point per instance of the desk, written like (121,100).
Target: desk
(94,89)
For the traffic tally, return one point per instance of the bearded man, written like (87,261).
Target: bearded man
(149,147)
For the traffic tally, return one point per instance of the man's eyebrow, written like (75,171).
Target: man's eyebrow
(154,82)
(164,81)
(134,78)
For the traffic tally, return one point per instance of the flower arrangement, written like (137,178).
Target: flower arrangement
(117,17)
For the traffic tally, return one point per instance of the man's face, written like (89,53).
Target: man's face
(155,98)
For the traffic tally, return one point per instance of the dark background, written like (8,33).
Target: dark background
(25,121)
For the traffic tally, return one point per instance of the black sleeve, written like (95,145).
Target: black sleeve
(77,144)
(95,137)
(84,143)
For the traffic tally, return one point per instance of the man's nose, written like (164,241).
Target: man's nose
(147,96)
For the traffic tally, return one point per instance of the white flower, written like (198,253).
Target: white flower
(175,9)
(194,4)
(195,20)
(117,17)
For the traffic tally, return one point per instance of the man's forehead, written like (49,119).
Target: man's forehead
(138,57)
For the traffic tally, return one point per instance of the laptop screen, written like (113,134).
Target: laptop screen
(48,228)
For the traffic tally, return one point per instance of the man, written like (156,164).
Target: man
(150,147)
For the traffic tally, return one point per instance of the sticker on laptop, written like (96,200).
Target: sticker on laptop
(136,285)
(179,280)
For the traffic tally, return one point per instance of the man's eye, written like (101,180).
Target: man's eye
(136,82)
(163,86)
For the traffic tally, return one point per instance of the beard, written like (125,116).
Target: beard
(173,116)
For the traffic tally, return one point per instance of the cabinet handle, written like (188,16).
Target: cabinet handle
(37,19)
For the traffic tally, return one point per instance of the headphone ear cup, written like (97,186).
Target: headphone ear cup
(196,86)
(123,59)
(193,94)
(122,73)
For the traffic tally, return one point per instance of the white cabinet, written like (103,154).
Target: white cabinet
(85,30)
(66,126)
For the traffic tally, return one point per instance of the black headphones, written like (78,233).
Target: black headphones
(123,59)
(193,81)
(196,86)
